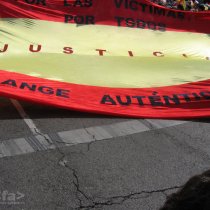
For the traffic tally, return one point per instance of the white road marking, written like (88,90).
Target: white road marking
(41,142)
(25,117)
(76,136)
(85,135)
(163,123)
(35,143)
(102,132)
(23,145)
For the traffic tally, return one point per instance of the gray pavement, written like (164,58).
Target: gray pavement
(57,159)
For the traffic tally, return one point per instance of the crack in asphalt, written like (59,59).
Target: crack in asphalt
(93,137)
(108,201)
(81,195)
(51,142)
(77,185)
(118,200)
(64,143)
(63,162)
(44,136)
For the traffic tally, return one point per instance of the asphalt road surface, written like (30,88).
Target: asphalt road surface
(54,159)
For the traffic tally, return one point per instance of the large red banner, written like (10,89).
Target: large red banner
(119,57)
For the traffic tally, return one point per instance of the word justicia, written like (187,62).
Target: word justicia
(32,48)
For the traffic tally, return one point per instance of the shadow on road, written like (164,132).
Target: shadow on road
(44,111)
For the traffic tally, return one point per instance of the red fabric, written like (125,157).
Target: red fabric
(181,101)
(193,98)
(105,12)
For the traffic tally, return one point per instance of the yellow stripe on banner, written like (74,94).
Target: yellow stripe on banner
(159,58)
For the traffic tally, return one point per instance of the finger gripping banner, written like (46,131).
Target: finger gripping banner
(118,57)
